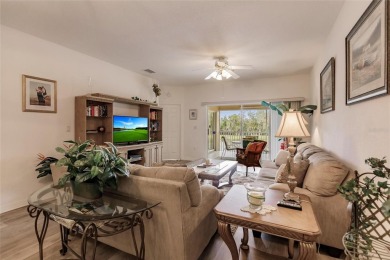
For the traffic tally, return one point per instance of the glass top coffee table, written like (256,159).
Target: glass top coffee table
(112,214)
(215,171)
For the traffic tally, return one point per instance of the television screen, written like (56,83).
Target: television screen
(130,129)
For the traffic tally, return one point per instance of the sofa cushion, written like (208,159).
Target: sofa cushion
(312,149)
(254,147)
(324,175)
(180,174)
(281,157)
(299,168)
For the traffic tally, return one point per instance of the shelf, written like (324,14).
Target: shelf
(123,100)
(98,116)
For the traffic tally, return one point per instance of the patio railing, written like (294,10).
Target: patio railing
(236,137)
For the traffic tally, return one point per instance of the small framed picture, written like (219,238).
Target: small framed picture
(39,94)
(193,114)
(367,48)
(327,83)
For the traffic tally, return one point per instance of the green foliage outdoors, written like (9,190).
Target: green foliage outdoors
(253,121)
(88,162)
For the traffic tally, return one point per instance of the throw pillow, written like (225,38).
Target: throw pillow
(281,157)
(299,169)
(324,176)
(281,174)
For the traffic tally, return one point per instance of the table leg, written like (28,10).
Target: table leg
(244,240)
(290,248)
(90,231)
(231,173)
(226,234)
(307,250)
(35,213)
(64,239)
(216,183)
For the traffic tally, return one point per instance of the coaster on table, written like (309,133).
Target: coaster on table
(264,209)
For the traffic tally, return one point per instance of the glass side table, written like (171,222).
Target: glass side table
(112,214)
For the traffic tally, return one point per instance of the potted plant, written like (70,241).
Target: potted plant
(370,195)
(91,167)
(156,90)
(280,108)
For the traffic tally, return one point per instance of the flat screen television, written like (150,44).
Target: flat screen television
(130,130)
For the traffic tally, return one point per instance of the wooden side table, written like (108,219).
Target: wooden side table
(292,224)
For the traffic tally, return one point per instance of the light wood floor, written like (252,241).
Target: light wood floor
(18,241)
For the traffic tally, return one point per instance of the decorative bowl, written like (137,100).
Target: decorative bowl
(255,194)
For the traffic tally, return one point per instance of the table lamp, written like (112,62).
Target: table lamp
(292,125)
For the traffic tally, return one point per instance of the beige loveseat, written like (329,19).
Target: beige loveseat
(182,224)
(323,176)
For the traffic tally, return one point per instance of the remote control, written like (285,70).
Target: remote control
(289,204)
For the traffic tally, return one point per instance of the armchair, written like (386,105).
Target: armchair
(251,155)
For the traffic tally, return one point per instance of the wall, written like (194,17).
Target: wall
(25,134)
(356,132)
(194,143)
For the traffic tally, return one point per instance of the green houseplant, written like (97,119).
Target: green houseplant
(95,165)
(370,195)
(280,108)
(43,167)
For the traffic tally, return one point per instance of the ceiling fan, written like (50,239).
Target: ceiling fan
(224,70)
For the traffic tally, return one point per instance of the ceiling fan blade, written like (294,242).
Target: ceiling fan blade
(212,75)
(234,75)
(241,67)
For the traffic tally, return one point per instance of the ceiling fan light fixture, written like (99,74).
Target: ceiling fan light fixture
(226,74)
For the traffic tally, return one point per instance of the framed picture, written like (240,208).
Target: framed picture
(39,94)
(193,114)
(327,83)
(367,48)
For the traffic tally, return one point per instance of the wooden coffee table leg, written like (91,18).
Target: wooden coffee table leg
(244,240)
(216,183)
(226,234)
(307,250)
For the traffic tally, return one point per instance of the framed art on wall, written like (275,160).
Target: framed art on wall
(193,114)
(367,47)
(39,94)
(327,87)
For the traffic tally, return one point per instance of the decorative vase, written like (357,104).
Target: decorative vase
(86,190)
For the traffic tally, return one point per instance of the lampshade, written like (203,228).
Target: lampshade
(292,125)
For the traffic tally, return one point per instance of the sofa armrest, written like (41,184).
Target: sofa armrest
(195,215)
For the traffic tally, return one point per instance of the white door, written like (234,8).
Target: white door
(171,132)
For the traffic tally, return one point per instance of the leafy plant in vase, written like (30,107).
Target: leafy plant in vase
(156,90)
(91,167)
(370,195)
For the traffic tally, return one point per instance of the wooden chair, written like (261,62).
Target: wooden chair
(228,146)
(251,155)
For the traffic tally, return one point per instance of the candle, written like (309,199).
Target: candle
(255,198)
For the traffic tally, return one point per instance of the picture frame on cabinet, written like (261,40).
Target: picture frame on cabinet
(367,46)
(327,87)
(193,114)
(39,94)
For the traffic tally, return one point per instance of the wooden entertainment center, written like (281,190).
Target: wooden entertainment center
(94,121)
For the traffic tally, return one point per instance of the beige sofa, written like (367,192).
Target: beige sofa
(323,176)
(182,224)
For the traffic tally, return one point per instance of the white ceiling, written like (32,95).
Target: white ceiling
(178,39)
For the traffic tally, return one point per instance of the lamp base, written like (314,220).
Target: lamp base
(291,197)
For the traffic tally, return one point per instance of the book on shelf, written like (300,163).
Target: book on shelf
(98,110)
(153,115)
